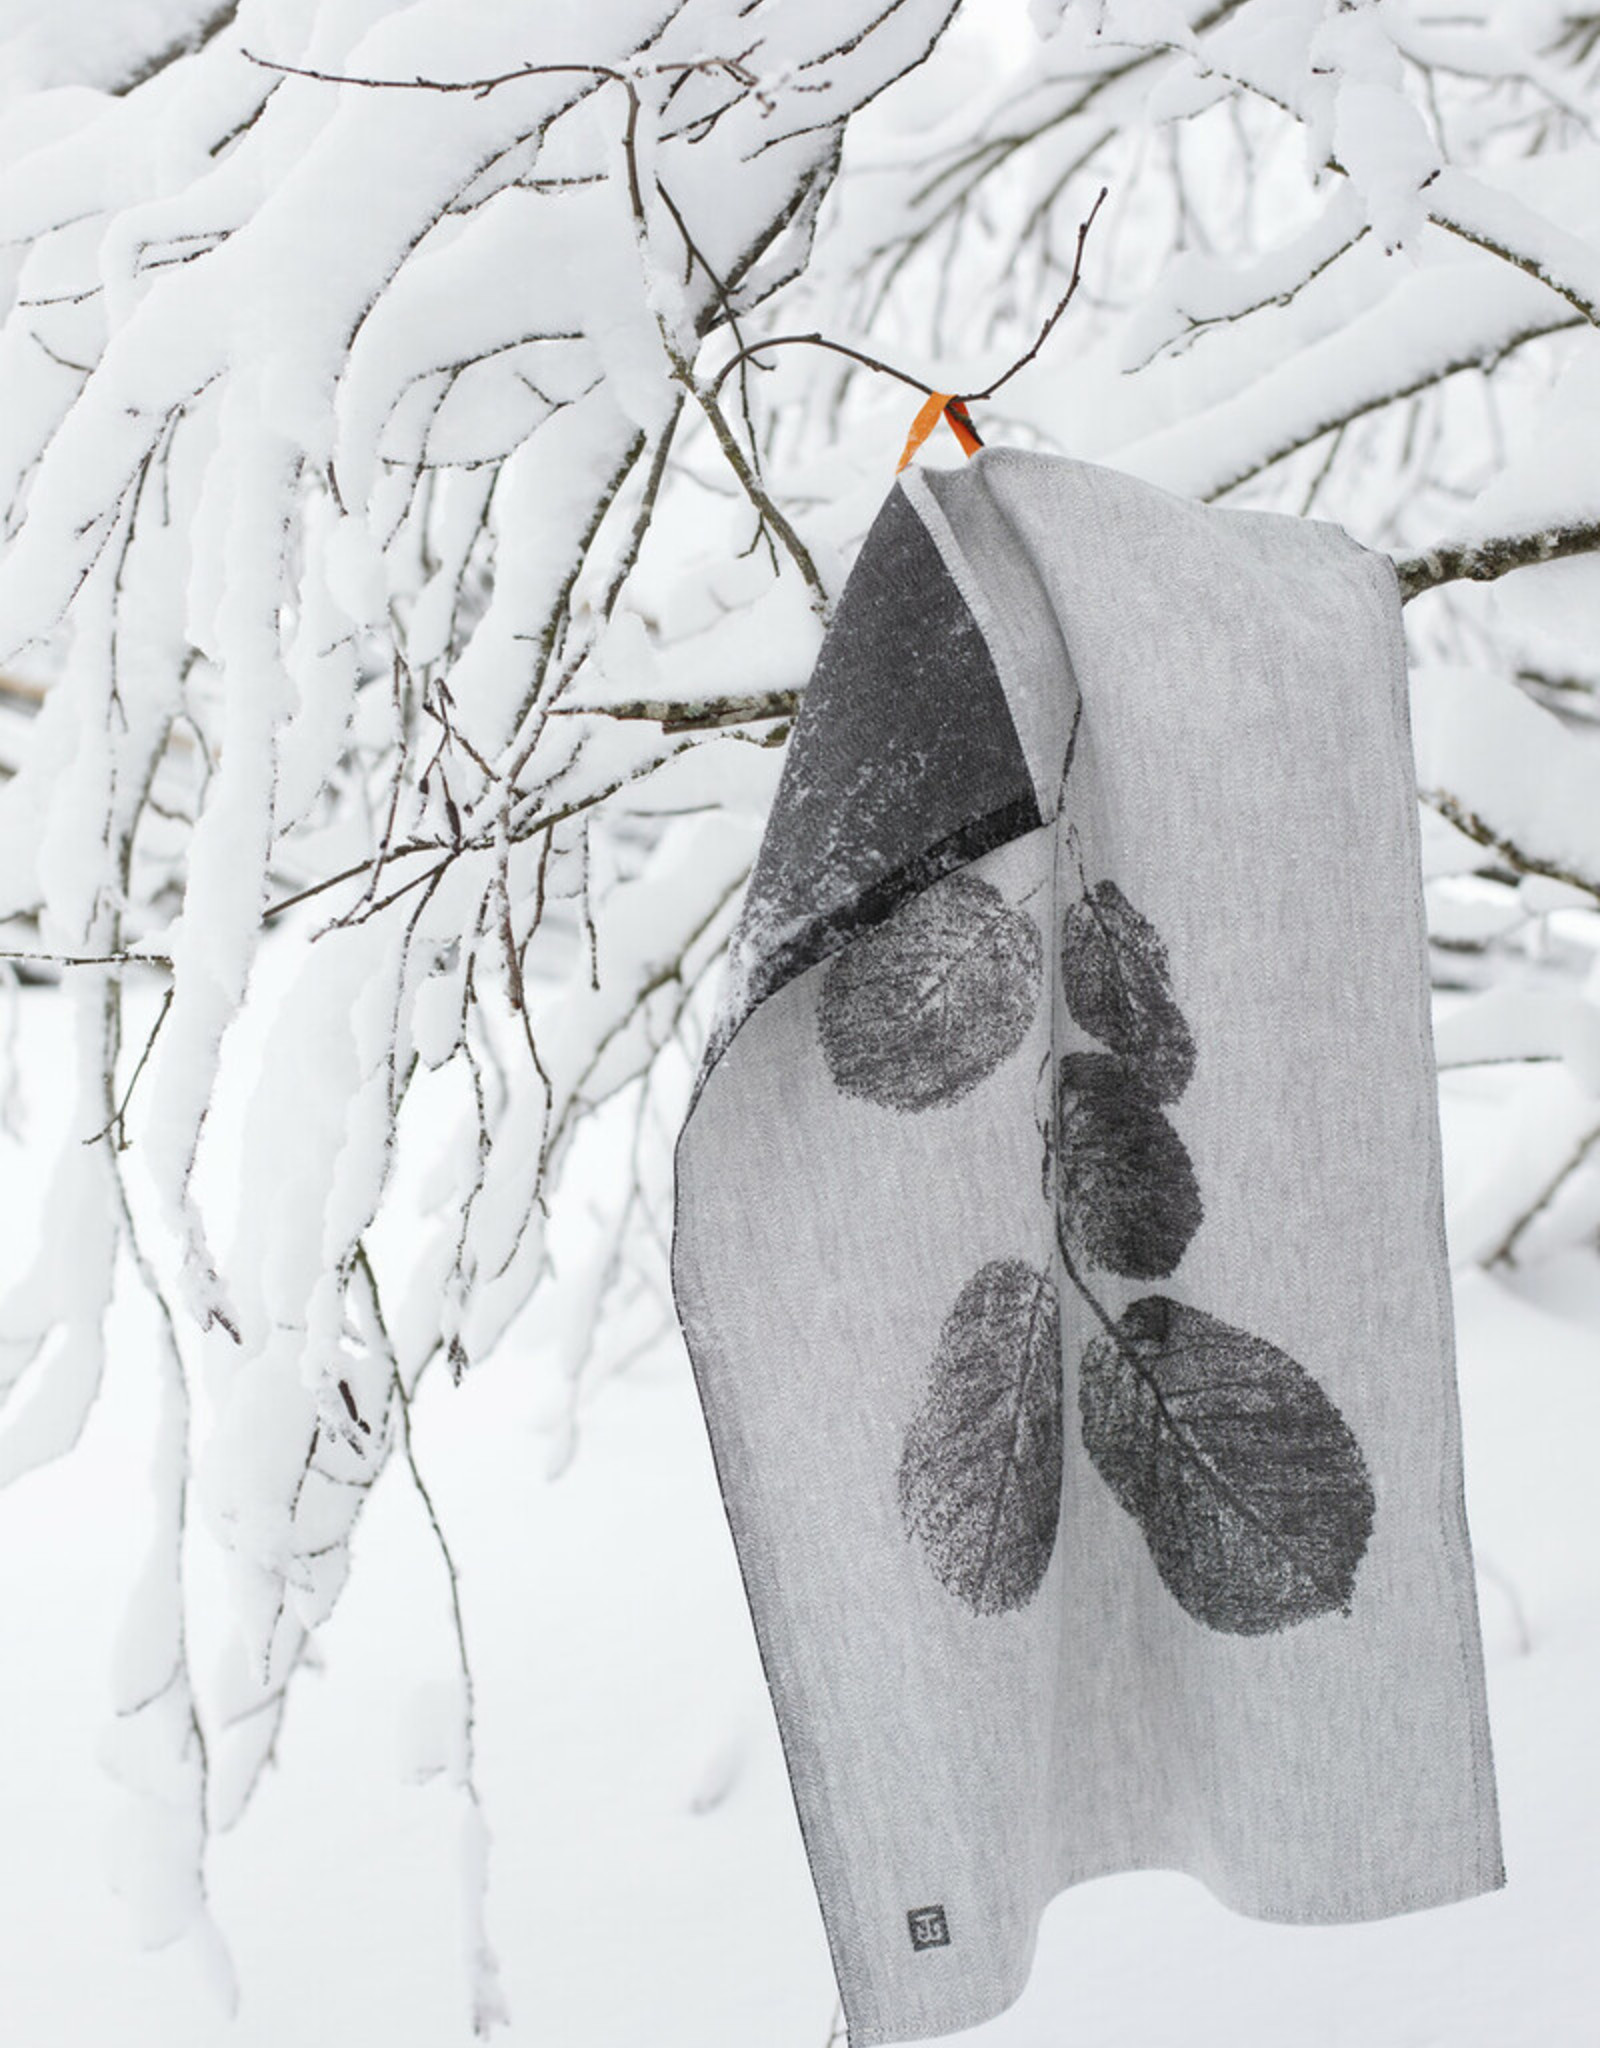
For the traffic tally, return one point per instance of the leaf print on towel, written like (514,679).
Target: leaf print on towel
(1126,1195)
(1244,1479)
(917,1012)
(980,1472)
(1118,987)
(1242,1475)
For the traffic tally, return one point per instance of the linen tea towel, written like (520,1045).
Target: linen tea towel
(1059,1242)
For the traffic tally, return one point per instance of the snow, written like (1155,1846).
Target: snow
(1449,315)
(1512,1024)
(1487,744)
(647,1880)
(53,42)
(329,415)
(1478,211)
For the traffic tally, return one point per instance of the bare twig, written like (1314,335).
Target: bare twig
(1468,821)
(904,376)
(1062,304)
(1505,1252)
(488,2005)
(480,88)
(89,959)
(841,348)
(115,1122)
(704,397)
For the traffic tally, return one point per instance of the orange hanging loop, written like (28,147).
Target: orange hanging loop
(961,426)
(939,405)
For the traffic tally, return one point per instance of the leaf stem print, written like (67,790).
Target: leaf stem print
(1247,1484)
(1245,1479)
(1086,1291)
(1126,1193)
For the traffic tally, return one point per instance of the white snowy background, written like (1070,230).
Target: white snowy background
(375,1660)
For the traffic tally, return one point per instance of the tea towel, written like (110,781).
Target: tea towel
(1059,1242)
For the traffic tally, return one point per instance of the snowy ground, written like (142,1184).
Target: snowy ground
(649,1888)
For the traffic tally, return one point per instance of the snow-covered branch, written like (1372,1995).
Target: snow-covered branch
(1483,561)
(401,610)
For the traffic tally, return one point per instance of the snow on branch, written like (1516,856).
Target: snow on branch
(345,391)
(1520,235)
(401,608)
(1483,561)
(1471,561)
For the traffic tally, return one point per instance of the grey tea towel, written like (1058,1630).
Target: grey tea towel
(1059,1242)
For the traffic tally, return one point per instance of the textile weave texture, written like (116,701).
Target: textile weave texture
(1059,1242)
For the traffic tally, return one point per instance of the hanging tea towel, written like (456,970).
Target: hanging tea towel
(1059,1242)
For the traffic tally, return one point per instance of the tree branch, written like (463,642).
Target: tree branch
(704,397)
(904,376)
(1475,561)
(1483,561)
(184,45)
(1483,834)
(1504,226)
(692,714)
(1505,1252)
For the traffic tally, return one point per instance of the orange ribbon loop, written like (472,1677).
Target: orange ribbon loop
(939,405)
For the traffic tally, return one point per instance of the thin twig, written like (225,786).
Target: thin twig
(971,397)
(905,376)
(90,959)
(349,874)
(815,341)
(116,1123)
(1467,821)
(1505,1251)
(704,397)
(485,1966)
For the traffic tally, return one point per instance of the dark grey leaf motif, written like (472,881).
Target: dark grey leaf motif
(1114,972)
(980,1473)
(1242,1475)
(916,1013)
(1126,1194)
